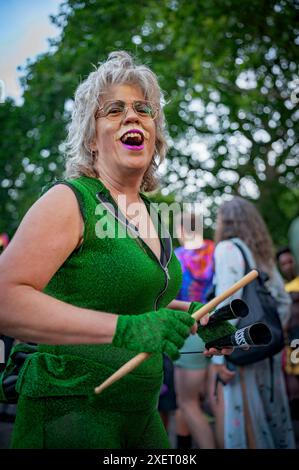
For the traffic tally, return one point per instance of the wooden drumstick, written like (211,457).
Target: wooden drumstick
(139,358)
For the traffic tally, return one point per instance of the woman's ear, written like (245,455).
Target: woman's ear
(93,146)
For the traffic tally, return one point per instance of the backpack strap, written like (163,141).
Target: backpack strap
(247,266)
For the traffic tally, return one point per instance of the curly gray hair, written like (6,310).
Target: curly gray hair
(119,69)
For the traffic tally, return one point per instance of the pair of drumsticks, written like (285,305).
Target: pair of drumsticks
(137,360)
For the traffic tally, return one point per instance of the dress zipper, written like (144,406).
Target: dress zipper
(167,277)
(165,268)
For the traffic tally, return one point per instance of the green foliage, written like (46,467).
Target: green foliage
(227,69)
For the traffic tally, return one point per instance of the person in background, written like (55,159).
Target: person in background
(191,370)
(256,411)
(287,265)
(167,398)
(293,236)
(4,240)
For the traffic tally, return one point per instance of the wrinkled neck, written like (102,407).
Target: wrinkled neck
(129,188)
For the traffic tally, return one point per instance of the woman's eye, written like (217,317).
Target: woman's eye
(144,109)
(115,110)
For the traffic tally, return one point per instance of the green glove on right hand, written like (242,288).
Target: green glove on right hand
(194,306)
(210,332)
(164,330)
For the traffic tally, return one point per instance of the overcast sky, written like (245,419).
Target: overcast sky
(24,29)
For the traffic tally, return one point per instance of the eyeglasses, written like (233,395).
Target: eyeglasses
(117,110)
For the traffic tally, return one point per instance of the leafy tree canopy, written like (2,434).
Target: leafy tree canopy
(229,70)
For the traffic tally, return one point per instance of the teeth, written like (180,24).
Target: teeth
(120,135)
(134,135)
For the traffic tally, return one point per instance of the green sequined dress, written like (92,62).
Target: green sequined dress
(117,273)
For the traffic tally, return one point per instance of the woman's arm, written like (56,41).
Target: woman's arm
(48,234)
(179,305)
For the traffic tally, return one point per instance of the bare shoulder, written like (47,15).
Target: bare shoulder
(58,209)
(61,195)
(50,231)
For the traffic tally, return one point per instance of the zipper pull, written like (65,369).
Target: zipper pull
(167,273)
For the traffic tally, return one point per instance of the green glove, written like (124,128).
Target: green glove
(211,332)
(208,333)
(194,306)
(164,330)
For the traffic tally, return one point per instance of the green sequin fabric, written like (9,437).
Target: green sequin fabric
(218,330)
(118,275)
(163,331)
(210,332)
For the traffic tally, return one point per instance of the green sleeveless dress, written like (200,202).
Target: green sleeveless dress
(112,271)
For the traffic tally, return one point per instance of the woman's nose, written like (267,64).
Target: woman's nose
(130,115)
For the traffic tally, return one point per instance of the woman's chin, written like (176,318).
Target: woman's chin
(135,159)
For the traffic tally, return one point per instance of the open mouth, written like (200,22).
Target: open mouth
(133,139)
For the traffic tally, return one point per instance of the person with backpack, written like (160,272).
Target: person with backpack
(287,265)
(256,411)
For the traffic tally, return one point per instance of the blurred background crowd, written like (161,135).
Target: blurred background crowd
(229,71)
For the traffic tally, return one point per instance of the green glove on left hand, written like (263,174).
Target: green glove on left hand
(164,330)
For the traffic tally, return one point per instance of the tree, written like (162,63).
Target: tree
(228,69)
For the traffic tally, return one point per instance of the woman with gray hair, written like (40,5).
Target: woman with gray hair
(96,282)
